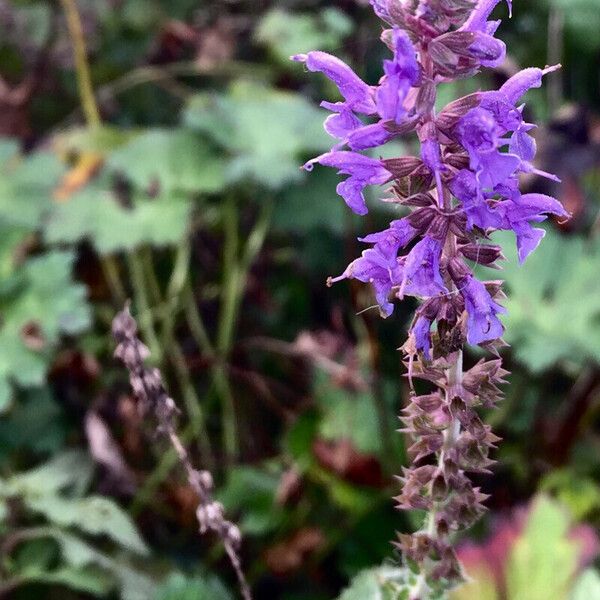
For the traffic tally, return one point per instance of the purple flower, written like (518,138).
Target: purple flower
(357,94)
(421,275)
(401,74)
(523,81)
(479,132)
(421,331)
(342,122)
(478,21)
(476,207)
(521,211)
(389,241)
(369,136)
(482,323)
(363,171)
(382,272)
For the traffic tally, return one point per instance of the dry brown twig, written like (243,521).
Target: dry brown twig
(148,387)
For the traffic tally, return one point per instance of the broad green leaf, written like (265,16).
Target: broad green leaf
(95,515)
(88,580)
(178,160)
(267,132)
(251,491)
(40,302)
(347,415)
(72,468)
(543,561)
(587,586)
(553,301)
(579,493)
(480,584)
(26,185)
(312,205)
(102,140)
(383,583)
(286,33)
(37,422)
(78,553)
(179,587)
(96,215)
(80,556)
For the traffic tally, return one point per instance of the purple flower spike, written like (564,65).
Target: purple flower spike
(461,187)
(482,323)
(422,270)
(363,171)
(356,92)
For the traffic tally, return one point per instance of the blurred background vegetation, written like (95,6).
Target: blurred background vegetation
(176,184)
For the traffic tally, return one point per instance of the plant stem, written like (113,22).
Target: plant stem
(235,275)
(84,79)
(92,117)
(110,269)
(177,357)
(136,268)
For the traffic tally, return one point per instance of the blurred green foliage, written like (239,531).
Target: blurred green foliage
(189,200)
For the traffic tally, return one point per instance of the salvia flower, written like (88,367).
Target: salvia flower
(462,186)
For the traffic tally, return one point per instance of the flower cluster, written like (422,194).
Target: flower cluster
(463,186)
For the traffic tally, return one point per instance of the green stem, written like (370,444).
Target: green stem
(231,276)
(195,322)
(235,276)
(176,356)
(84,79)
(138,281)
(110,269)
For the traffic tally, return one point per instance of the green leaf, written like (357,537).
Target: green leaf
(178,159)
(88,580)
(26,185)
(179,587)
(286,33)
(101,140)
(134,585)
(36,422)
(587,586)
(345,415)
(40,296)
(69,469)
(95,515)
(266,131)
(553,301)
(96,215)
(543,561)
(579,493)
(328,211)
(251,491)
(480,584)
(80,556)
(383,583)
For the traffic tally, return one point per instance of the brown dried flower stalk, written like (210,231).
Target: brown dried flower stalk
(148,387)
